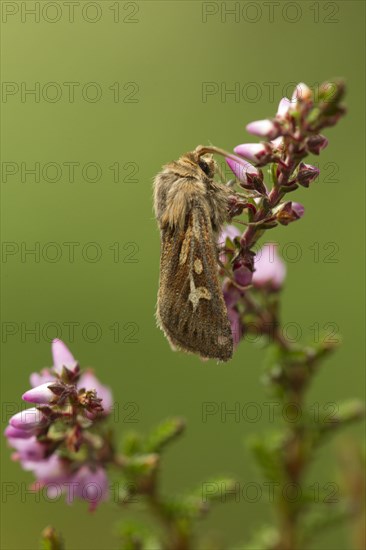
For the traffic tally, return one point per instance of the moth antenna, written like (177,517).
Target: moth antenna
(204,149)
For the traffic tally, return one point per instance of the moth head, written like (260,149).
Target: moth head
(199,166)
(202,165)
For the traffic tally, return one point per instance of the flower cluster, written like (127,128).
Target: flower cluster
(58,438)
(289,137)
(291,134)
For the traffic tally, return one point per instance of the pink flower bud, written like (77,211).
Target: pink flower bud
(302,92)
(258,153)
(283,107)
(270,271)
(62,356)
(264,128)
(307,174)
(243,267)
(290,212)
(28,419)
(243,275)
(39,394)
(14,433)
(298,209)
(277,144)
(244,171)
(316,143)
(36,378)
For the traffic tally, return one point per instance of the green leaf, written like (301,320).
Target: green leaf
(325,517)
(163,434)
(218,489)
(132,444)
(141,465)
(267,538)
(344,414)
(267,452)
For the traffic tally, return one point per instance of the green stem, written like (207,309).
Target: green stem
(175,539)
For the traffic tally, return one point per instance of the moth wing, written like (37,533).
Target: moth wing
(191,308)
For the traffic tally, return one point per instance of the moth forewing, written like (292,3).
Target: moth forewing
(191,209)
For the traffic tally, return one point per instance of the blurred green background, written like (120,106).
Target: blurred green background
(160,54)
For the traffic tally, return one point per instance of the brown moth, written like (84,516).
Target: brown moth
(191,209)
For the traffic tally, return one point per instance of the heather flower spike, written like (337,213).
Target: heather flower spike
(288,138)
(48,438)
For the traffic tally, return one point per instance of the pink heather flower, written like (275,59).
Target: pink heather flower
(54,473)
(90,485)
(277,144)
(39,394)
(62,356)
(254,152)
(89,381)
(283,107)
(28,451)
(29,419)
(243,170)
(236,328)
(87,483)
(270,271)
(231,293)
(51,470)
(264,128)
